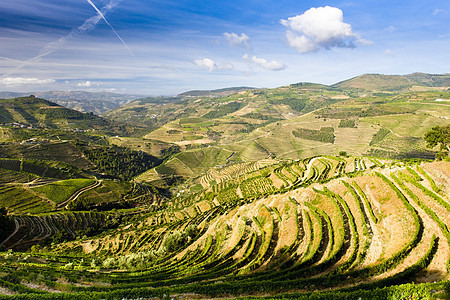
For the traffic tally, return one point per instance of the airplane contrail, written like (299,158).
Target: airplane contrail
(51,47)
(112,28)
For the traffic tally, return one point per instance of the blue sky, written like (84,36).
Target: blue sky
(167,47)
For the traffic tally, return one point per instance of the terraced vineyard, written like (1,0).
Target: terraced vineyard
(322,227)
(32,230)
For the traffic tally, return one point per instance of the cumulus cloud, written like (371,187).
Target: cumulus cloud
(237,40)
(439,11)
(24,80)
(206,63)
(320,28)
(86,84)
(272,65)
(211,66)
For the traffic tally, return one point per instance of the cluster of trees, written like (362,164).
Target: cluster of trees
(223,110)
(378,110)
(65,113)
(5,116)
(173,131)
(83,203)
(347,123)
(370,111)
(141,260)
(6,224)
(133,261)
(294,103)
(439,135)
(324,135)
(179,239)
(27,116)
(172,150)
(260,116)
(339,113)
(64,235)
(120,162)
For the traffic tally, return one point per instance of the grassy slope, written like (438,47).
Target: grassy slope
(308,255)
(407,116)
(59,191)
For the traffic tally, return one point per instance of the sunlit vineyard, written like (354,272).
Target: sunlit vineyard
(298,228)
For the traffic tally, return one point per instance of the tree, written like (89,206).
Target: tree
(439,135)
(6,224)
(343,153)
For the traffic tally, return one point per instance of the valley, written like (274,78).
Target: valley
(305,191)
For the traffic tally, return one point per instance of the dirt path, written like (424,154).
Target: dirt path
(75,195)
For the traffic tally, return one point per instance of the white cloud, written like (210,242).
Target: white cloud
(23,81)
(226,66)
(237,40)
(272,65)
(390,29)
(206,63)
(211,66)
(439,11)
(320,28)
(85,84)
(388,52)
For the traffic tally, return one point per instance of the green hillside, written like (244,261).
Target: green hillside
(274,228)
(32,111)
(304,191)
(251,135)
(379,82)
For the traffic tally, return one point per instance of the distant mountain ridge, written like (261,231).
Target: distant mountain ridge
(218,92)
(101,102)
(96,102)
(39,112)
(394,82)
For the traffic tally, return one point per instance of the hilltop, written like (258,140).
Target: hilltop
(97,103)
(34,111)
(218,92)
(381,82)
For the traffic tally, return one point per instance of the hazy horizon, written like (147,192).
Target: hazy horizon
(152,48)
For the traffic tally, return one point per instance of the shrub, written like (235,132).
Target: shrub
(324,135)
(174,241)
(178,239)
(343,153)
(346,123)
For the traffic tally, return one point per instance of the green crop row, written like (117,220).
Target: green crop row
(428,210)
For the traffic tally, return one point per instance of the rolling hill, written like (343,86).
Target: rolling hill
(32,111)
(379,82)
(288,123)
(97,103)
